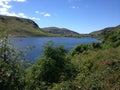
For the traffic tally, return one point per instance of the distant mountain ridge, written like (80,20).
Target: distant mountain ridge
(21,27)
(104,31)
(60,31)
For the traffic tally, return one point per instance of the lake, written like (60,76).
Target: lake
(38,44)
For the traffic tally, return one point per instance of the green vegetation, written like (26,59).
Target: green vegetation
(98,65)
(112,39)
(103,32)
(11,66)
(20,27)
(61,32)
(97,70)
(53,67)
(86,67)
(83,48)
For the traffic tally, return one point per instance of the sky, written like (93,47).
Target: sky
(82,16)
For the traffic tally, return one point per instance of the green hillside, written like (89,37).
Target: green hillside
(104,31)
(60,31)
(20,27)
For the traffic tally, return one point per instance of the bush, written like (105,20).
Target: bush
(53,67)
(11,67)
(83,48)
(112,39)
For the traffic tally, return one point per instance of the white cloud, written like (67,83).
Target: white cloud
(43,13)
(34,18)
(5,6)
(22,15)
(47,15)
(38,19)
(3,10)
(37,12)
(11,14)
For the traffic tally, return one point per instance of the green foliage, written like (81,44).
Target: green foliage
(98,65)
(53,67)
(112,39)
(98,70)
(83,48)
(104,31)
(53,52)
(53,63)
(11,66)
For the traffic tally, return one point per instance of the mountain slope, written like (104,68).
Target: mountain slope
(20,27)
(104,31)
(60,31)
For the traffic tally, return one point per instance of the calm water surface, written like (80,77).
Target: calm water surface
(38,44)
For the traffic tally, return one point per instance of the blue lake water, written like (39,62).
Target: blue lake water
(38,44)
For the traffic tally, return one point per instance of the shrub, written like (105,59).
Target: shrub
(53,67)
(83,48)
(11,67)
(112,39)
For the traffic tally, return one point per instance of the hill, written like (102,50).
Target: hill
(20,27)
(104,31)
(60,31)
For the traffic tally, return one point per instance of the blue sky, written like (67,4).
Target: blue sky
(83,16)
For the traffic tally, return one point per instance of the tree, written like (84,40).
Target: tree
(51,68)
(11,70)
